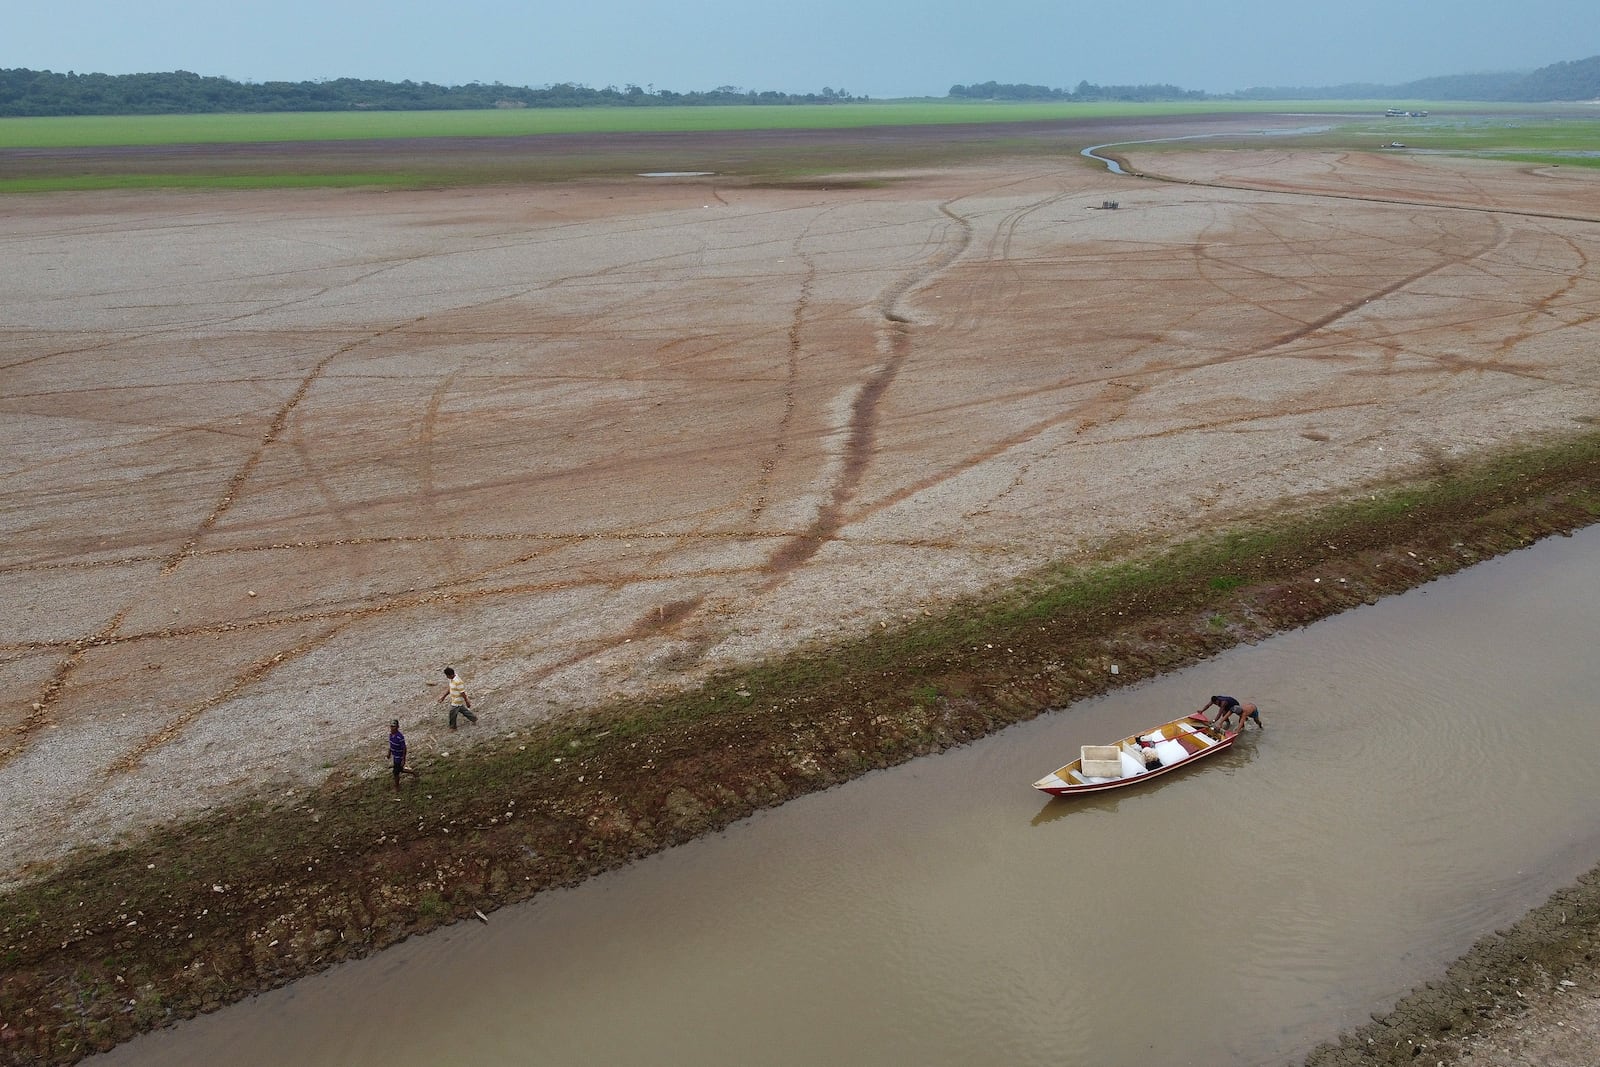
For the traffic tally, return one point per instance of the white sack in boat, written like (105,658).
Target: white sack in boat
(1170,752)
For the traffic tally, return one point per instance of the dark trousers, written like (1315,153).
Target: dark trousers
(460,709)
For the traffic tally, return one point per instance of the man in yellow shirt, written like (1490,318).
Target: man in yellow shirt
(460,703)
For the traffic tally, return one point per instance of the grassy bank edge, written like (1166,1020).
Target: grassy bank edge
(114,942)
(1542,135)
(99,131)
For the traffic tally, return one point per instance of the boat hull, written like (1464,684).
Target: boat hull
(1186,732)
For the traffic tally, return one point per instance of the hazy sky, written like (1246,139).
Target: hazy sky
(867,47)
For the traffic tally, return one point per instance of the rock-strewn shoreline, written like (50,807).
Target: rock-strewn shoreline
(1526,994)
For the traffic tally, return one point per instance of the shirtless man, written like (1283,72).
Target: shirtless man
(1227,707)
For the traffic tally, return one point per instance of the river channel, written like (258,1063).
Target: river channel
(1429,771)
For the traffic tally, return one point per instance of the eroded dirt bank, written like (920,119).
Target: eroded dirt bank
(267,891)
(1529,994)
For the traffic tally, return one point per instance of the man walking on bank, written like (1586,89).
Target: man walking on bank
(460,703)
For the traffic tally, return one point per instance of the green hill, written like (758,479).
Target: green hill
(1578,80)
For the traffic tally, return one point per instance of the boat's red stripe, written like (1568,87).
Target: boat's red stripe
(1117,783)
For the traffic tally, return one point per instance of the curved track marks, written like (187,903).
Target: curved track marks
(61,677)
(648,425)
(861,428)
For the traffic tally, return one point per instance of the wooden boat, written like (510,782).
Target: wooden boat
(1178,743)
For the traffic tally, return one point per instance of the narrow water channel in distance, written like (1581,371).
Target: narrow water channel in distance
(1429,771)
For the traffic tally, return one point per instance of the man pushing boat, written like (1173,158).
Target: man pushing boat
(1227,707)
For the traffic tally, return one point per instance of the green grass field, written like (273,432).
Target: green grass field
(100,182)
(1533,134)
(1525,133)
(110,130)
(1522,138)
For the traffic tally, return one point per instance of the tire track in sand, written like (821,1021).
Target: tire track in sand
(133,757)
(861,428)
(60,678)
(274,431)
(855,455)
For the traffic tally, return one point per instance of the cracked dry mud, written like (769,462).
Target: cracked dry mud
(273,459)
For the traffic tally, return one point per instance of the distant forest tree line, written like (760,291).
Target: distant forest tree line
(42,92)
(1579,80)
(1084,93)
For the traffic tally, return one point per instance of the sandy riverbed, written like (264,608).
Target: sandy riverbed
(275,458)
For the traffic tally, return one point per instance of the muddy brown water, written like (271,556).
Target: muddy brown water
(1428,773)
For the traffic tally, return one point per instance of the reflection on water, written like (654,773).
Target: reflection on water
(1094,151)
(1428,773)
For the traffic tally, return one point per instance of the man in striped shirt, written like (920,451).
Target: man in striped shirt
(397,753)
(460,703)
